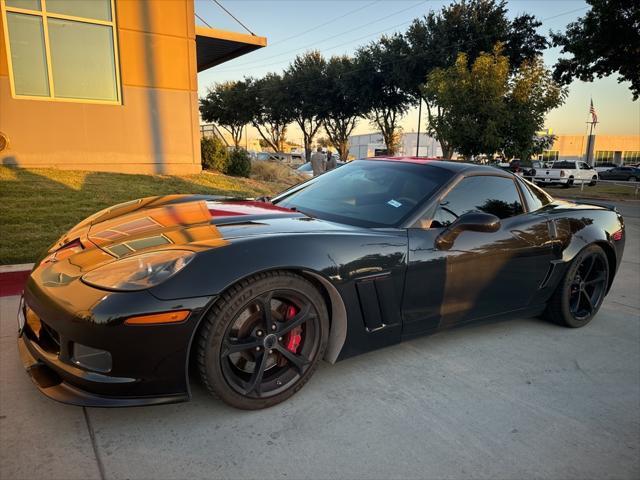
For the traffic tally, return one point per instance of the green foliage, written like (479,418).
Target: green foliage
(470,103)
(213,152)
(605,41)
(533,93)
(485,109)
(469,27)
(239,163)
(344,103)
(228,104)
(270,109)
(305,84)
(381,86)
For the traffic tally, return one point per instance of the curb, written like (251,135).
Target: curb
(21,267)
(13,278)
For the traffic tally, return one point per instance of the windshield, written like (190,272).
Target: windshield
(568,165)
(368,193)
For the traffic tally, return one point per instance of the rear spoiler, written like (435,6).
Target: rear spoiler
(596,203)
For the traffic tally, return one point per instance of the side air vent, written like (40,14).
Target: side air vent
(378,302)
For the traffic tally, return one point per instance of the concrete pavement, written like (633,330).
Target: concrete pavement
(514,399)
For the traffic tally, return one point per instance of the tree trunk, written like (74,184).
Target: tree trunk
(447,150)
(307,147)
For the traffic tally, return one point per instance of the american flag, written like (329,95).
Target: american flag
(594,115)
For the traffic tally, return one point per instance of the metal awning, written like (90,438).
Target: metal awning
(214,46)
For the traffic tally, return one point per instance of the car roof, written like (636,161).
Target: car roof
(438,162)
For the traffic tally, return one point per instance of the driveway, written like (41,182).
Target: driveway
(514,399)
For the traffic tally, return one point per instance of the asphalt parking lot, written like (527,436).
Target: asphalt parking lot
(514,399)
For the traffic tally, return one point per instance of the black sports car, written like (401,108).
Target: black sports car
(627,173)
(250,295)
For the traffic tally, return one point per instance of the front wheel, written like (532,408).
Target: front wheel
(633,179)
(579,295)
(262,340)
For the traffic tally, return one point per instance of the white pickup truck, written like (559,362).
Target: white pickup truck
(566,173)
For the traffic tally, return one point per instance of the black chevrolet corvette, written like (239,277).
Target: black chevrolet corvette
(250,295)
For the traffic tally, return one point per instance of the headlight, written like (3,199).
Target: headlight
(140,271)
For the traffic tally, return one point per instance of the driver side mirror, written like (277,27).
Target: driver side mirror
(472,222)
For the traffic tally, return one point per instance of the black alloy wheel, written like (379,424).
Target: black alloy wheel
(588,286)
(263,340)
(579,295)
(270,344)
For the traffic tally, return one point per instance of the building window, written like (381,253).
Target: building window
(604,156)
(62,49)
(549,155)
(630,157)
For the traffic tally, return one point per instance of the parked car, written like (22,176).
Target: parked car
(535,165)
(567,173)
(630,174)
(603,167)
(251,295)
(307,171)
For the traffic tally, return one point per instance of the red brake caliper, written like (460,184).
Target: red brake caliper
(294,337)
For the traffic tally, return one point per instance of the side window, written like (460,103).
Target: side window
(536,198)
(495,195)
(584,166)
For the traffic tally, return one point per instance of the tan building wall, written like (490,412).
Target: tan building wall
(572,147)
(154,130)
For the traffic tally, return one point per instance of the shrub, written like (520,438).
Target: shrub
(214,154)
(268,171)
(239,163)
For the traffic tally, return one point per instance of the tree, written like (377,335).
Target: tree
(213,153)
(228,105)
(343,102)
(323,142)
(271,111)
(469,27)
(381,88)
(469,104)
(605,41)
(484,109)
(532,94)
(305,85)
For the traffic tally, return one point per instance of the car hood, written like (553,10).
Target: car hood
(195,223)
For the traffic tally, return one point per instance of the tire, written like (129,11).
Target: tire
(594,181)
(236,333)
(571,304)
(569,183)
(632,179)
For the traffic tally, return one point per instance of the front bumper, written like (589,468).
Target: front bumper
(149,364)
(43,369)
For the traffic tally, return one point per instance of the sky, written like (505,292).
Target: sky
(339,27)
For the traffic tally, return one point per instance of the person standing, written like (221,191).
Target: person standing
(318,163)
(331,161)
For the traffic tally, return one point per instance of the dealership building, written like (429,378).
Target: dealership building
(106,85)
(617,149)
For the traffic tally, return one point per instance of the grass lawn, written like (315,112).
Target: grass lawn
(601,191)
(38,205)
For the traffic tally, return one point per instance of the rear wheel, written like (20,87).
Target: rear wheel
(579,295)
(594,180)
(569,183)
(263,340)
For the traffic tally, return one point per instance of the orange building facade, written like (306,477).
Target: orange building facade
(109,85)
(618,149)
